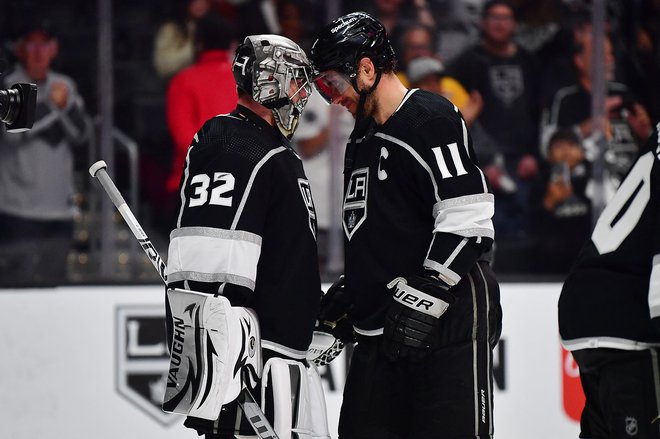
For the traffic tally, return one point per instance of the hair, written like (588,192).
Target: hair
(490,4)
(214,32)
(564,135)
(417,26)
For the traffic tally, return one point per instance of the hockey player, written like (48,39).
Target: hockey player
(246,226)
(609,308)
(417,210)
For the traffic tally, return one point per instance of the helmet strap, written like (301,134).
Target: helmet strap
(359,115)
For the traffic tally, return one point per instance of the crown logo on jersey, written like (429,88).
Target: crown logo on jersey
(351,220)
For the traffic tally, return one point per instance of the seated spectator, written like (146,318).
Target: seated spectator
(37,169)
(560,210)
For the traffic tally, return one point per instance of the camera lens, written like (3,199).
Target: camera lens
(10,105)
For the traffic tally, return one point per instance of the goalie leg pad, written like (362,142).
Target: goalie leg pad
(295,399)
(216,348)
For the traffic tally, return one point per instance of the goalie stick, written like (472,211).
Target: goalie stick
(251,409)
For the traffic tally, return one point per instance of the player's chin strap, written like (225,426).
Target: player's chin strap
(359,115)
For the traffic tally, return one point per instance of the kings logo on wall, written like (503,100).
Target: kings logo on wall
(142,359)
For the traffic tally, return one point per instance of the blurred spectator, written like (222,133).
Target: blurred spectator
(37,169)
(627,123)
(174,43)
(458,25)
(504,74)
(418,41)
(646,57)
(191,101)
(429,74)
(560,212)
(396,15)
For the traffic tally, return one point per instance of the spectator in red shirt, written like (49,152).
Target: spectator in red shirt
(201,91)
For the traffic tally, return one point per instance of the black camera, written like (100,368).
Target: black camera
(17,106)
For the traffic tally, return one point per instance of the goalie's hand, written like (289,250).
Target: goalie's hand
(412,320)
(333,313)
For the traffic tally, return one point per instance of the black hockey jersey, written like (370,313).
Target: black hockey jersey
(613,290)
(414,197)
(247,219)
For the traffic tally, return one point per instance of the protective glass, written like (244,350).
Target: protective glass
(331,85)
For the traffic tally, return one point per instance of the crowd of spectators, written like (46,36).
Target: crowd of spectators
(518,70)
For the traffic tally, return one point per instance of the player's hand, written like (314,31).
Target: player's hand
(333,314)
(413,318)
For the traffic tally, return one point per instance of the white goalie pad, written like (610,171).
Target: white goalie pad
(298,404)
(215,348)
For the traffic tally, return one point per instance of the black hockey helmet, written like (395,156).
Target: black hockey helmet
(341,44)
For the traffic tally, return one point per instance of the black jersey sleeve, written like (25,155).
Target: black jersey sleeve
(456,188)
(225,193)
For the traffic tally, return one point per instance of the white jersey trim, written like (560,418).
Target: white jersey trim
(654,288)
(446,274)
(246,194)
(467,216)
(281,349)
(607,342)
(417,157)
(213,255)
(368,332)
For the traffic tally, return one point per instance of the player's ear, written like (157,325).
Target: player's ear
(367,68)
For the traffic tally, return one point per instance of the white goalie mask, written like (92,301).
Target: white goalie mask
(276,73)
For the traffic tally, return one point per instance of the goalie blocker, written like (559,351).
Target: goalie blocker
(216,353)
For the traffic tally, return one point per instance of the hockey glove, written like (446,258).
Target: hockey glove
(413,317)
(333,315)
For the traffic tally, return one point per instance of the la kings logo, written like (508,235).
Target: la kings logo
(142,359)
(355,201)
(306,192)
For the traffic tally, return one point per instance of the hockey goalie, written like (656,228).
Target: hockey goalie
(243,279)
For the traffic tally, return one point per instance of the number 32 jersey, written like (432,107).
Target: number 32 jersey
(247,222)
(613,291)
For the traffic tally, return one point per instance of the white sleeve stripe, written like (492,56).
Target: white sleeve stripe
(212,232)
(417,157)
(465,215)
(211,256)
(462,201)
(209,277)
(246,194)
(465,137)
(455,253)
(186,174)
(281,349)
(654,288)
(446,274)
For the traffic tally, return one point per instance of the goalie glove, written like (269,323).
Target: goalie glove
(333,329)
(413,318)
